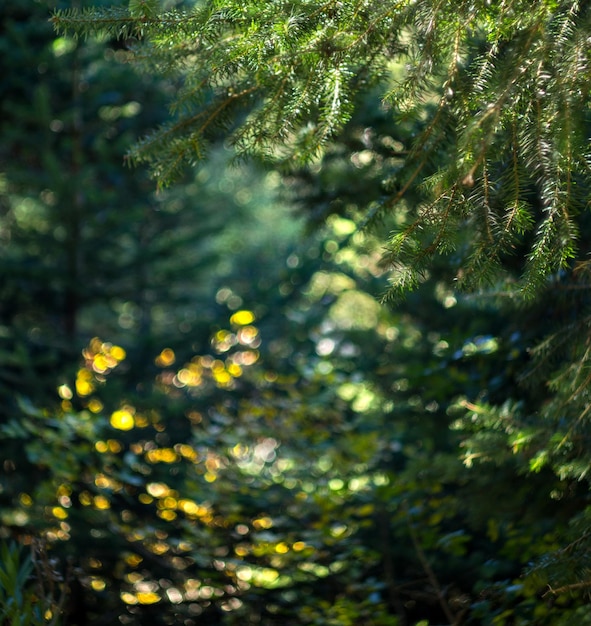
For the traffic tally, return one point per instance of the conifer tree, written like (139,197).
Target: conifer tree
(500,91)
(81,234)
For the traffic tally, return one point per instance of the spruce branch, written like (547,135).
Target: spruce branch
(497,94)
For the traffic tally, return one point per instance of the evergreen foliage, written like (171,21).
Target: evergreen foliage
(499,92)
(69,113)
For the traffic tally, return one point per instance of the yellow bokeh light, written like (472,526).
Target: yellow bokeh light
(133,560)
(100,502)
(95,405)
(104,482)
(234,369)
(298,546)
(58,512)
(188,507)
(101,446)
(128,598)
(262,523)
(25,499)
(222,335)
(101,363)
(239,450)
(282,548)
(242,318)
(206,518)
(162,455)
(167,515)
(122,420)
(223,340)
(100,358)
(192,509)
(85,498)
(195,417)
(147,597)
(134,577)
(217,366)
(114,445)
(84,385)
(118,353)
(222,377)
(186,451)
(165,358)
(158,547)
(265,577)
(141,421)
(98,584)
(169,502)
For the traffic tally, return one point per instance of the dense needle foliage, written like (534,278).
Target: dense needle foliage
(500,90)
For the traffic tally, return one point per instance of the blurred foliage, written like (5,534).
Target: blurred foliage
(22,601)
(207,416)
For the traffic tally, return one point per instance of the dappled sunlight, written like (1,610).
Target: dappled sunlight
(123,419)
(257,458)
(228,484)
(201,370)
(141,461)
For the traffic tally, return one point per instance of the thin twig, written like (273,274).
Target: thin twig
(572,587)
(453,620)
